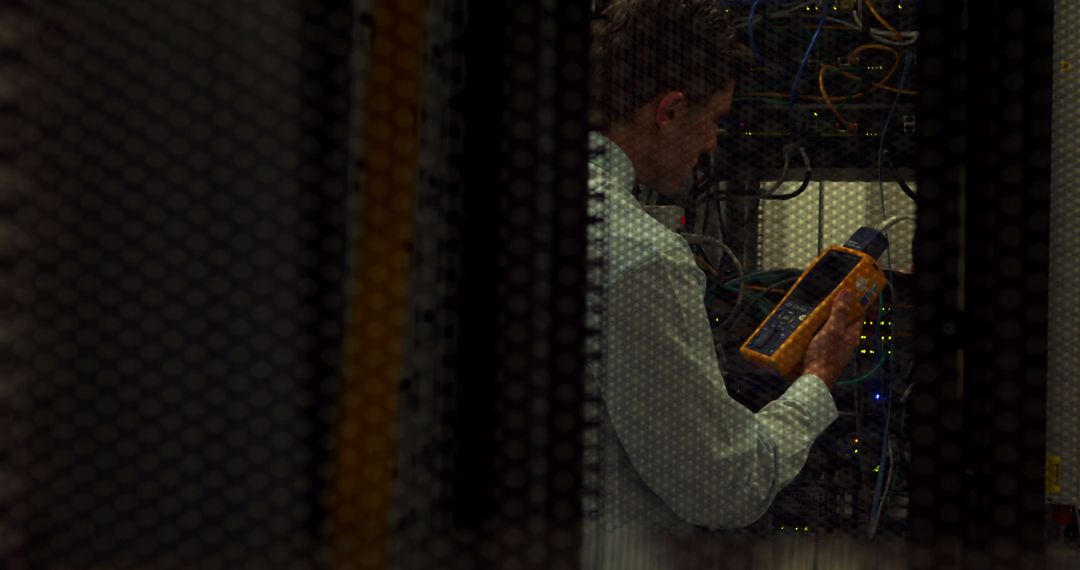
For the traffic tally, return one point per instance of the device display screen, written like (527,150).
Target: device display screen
(823,278)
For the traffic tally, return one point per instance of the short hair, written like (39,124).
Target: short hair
(642,48)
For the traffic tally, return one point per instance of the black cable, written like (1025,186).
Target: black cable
(802,187)
(896,174)
(800,190)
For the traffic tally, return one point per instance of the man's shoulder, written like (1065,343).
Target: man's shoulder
(633,237)
(636,239)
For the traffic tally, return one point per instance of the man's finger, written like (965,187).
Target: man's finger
(841,307)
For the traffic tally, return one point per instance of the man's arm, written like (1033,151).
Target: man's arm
(713,461)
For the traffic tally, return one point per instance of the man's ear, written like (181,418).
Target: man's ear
(671,103)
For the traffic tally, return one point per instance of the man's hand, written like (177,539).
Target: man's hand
(834,345)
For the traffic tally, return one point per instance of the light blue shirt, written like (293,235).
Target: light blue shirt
(677,451)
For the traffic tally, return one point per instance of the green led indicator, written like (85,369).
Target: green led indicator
(877,469)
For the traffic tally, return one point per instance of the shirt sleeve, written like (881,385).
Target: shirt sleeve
(710,459)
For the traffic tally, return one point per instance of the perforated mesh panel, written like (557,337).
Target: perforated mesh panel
(184,177)
(1063,352)
(311,285)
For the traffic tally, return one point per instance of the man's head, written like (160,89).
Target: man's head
(664,72)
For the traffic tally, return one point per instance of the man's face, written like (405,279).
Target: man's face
(685,132)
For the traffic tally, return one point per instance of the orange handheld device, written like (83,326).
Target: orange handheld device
(780,342)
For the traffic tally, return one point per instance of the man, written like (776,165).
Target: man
(678,453)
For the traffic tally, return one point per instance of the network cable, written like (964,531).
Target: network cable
(903,185)
(881,156)
(878,501)
(880,508)
(882,354)
(887,390)
(893,221)
(700,239)
(875,514)
(766,278)
(889,487)
(802,65)
(896,462)
(750,33)
(770,193)
(753,18)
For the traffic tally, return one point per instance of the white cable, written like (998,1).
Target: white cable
(882,38)
(893,221)
(885,495)
(885,36)
(783,174)
(845,23)
(904,33)
(907,392)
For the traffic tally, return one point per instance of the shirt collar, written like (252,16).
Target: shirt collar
(606,156)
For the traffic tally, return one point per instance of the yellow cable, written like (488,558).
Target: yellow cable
(707,266)
(828,102)
(877,16)
(774,95)
(879,84)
